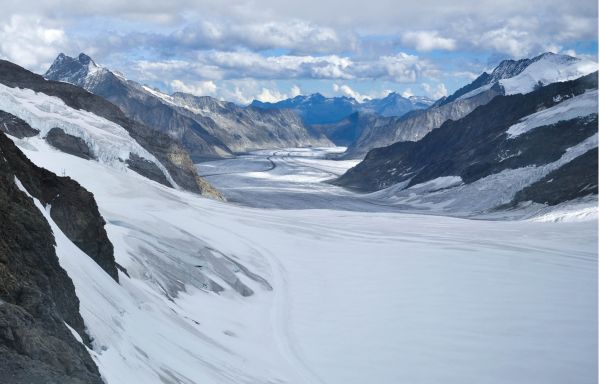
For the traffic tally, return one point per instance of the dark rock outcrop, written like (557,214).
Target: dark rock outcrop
(16,127)
(70,144)
(37,297)
(147,169)
(162,146)
(577,178)
(71,206)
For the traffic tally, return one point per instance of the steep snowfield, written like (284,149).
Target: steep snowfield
(550,68)
(547,68)
(110,143)
(581,105)
(356,297)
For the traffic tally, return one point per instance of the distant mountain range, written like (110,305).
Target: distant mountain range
(317,109)
(509,77)
(538,147)
(208,128)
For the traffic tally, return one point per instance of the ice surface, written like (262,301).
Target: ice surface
(357,297)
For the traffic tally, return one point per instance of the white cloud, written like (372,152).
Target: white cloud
(435,92)
(273,95)
(244,91)
(198,88)
(514,42)
(296,27)
(220,65)
(270,95)
(295,91)
(346,90)
(30,43)
(428,41)
(407,93)
(349,92)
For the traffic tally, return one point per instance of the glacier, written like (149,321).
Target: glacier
(110,143)
(338,296)
(301,281)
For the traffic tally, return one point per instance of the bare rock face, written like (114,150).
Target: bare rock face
(147,169)
(184,164)
(71,206)
(415,125)
(16,127)
(70,144)
(37,297)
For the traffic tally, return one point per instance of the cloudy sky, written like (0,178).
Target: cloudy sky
(240,50)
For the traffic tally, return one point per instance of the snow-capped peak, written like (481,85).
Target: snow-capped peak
(546,69)
(82,71)
(525,75)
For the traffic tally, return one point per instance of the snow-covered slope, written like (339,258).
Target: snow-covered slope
(110,143)
(406,298)
(547,69)
(525,75)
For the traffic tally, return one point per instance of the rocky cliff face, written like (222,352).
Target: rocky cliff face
(245,129)
(510,132)
(72,207)
(162,146)
(37,298)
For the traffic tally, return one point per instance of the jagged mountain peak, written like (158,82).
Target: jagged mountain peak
(524,75)
(82,70)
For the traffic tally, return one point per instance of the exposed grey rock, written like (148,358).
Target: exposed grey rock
(70,144)
(71,206)
(37,297)
(246,129)
(16,127)
(147,169)
(577,178)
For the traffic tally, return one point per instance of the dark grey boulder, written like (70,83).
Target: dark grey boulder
(147,169)
(70,144)
(16,127)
